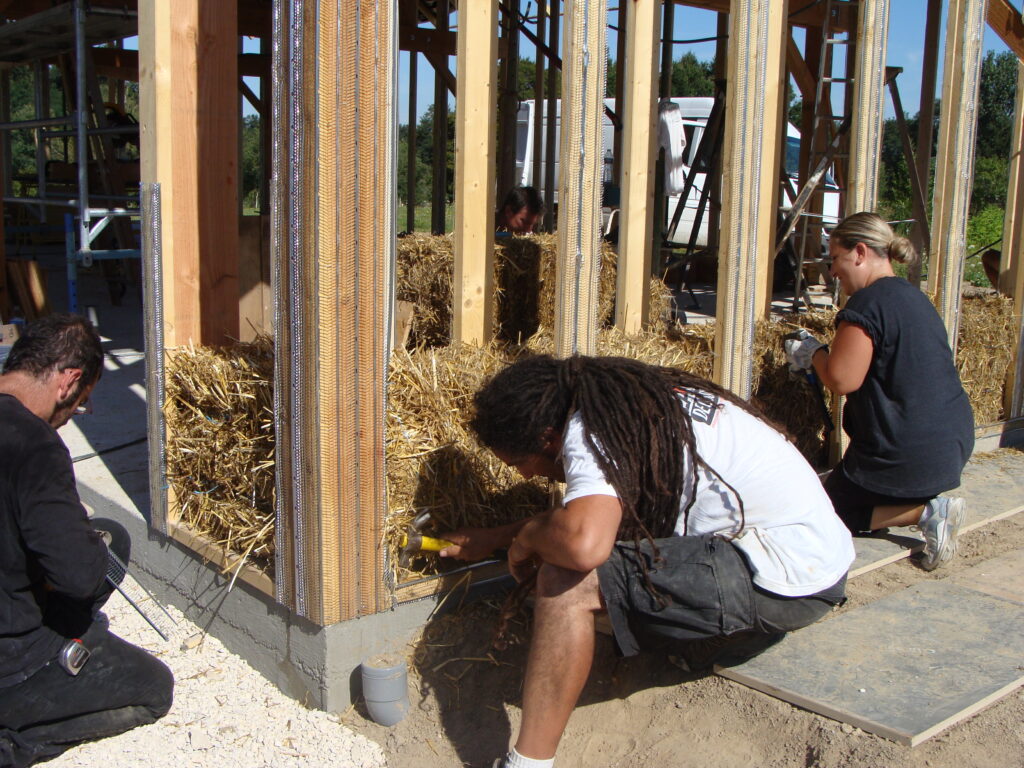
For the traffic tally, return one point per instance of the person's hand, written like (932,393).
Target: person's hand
(472,544)
(800,351)
(522,563)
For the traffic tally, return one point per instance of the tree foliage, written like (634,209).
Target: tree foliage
(997,91)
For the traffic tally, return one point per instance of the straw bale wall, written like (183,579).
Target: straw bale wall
(524,279)
(220,428)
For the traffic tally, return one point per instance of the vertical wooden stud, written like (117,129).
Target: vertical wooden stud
(636,223)
(757,33)
(475,110)
(868,105)
(954,169)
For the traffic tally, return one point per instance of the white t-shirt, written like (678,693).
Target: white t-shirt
(792,538)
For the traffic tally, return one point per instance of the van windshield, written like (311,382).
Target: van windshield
(793,162)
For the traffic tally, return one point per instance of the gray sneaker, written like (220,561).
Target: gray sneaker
(940,530)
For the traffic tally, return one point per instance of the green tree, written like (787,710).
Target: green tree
(692,77)
(251,162)
(997,91)
(528,79)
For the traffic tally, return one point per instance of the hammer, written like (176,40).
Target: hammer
(413,542)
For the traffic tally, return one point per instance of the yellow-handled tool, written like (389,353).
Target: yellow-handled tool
(413,542)
(416,542)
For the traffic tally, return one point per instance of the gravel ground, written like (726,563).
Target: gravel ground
(224,712)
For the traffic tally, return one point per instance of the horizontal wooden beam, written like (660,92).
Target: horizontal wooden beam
(423,40)
(812,16)
(1006,22)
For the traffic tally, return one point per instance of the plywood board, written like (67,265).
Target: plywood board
(992,484)
(1001,576)
(905,667)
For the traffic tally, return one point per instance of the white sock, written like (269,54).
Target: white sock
(515,760)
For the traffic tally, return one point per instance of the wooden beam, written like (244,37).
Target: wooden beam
(1006,22)
(868,105)
(116,63)
(805,79)
(5,107)
(639,144)
(925,130)
(954,169)
(189,138)
(439,42)
(475,129)
(757,34)
(810,14)
(1011,264)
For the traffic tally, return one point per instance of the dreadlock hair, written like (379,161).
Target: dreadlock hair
(633,420)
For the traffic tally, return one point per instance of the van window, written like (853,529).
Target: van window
(793,162)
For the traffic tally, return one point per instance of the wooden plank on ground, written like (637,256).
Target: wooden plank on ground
(905,667)
(998,576)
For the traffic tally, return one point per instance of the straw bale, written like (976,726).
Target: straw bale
(524,279)
(985,344)
(220,444)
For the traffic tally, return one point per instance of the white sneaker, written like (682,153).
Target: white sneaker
(940,530)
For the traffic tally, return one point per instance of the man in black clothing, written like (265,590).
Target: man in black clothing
(53,565)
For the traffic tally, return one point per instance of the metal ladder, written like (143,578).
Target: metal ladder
(826,139)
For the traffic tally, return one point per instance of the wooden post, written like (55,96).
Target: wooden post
(440,187)
(5,111)
(538,108)
(925,131)
(620,93)
(334,251)
(579,188)
(757,33)
(410,148)
(553,118)
(868,105)
(474,171)
(1011,266)
(954,170)
(637,110)
(189,136)
(508,113)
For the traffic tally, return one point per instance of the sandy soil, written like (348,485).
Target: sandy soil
(224,714)
(465,700)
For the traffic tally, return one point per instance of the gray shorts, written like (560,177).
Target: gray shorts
(706,591)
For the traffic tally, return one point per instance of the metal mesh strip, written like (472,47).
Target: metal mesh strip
(579,195)
(284,555)
(153,310)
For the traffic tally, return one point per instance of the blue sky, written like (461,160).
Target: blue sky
(905,49)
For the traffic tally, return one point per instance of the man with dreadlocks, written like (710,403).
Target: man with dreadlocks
(697,526)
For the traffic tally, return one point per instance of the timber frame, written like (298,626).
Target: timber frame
(331,233)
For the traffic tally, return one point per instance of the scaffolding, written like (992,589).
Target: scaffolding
(68,33)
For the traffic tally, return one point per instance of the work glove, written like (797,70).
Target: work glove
(800,350)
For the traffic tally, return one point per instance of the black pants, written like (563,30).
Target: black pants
(706,608)
(120,686)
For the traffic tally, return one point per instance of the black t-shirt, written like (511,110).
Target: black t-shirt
(52,561)
(910,424)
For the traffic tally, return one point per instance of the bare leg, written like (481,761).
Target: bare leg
(895,515)
(561,654)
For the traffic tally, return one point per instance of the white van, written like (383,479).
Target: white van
(694,113)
